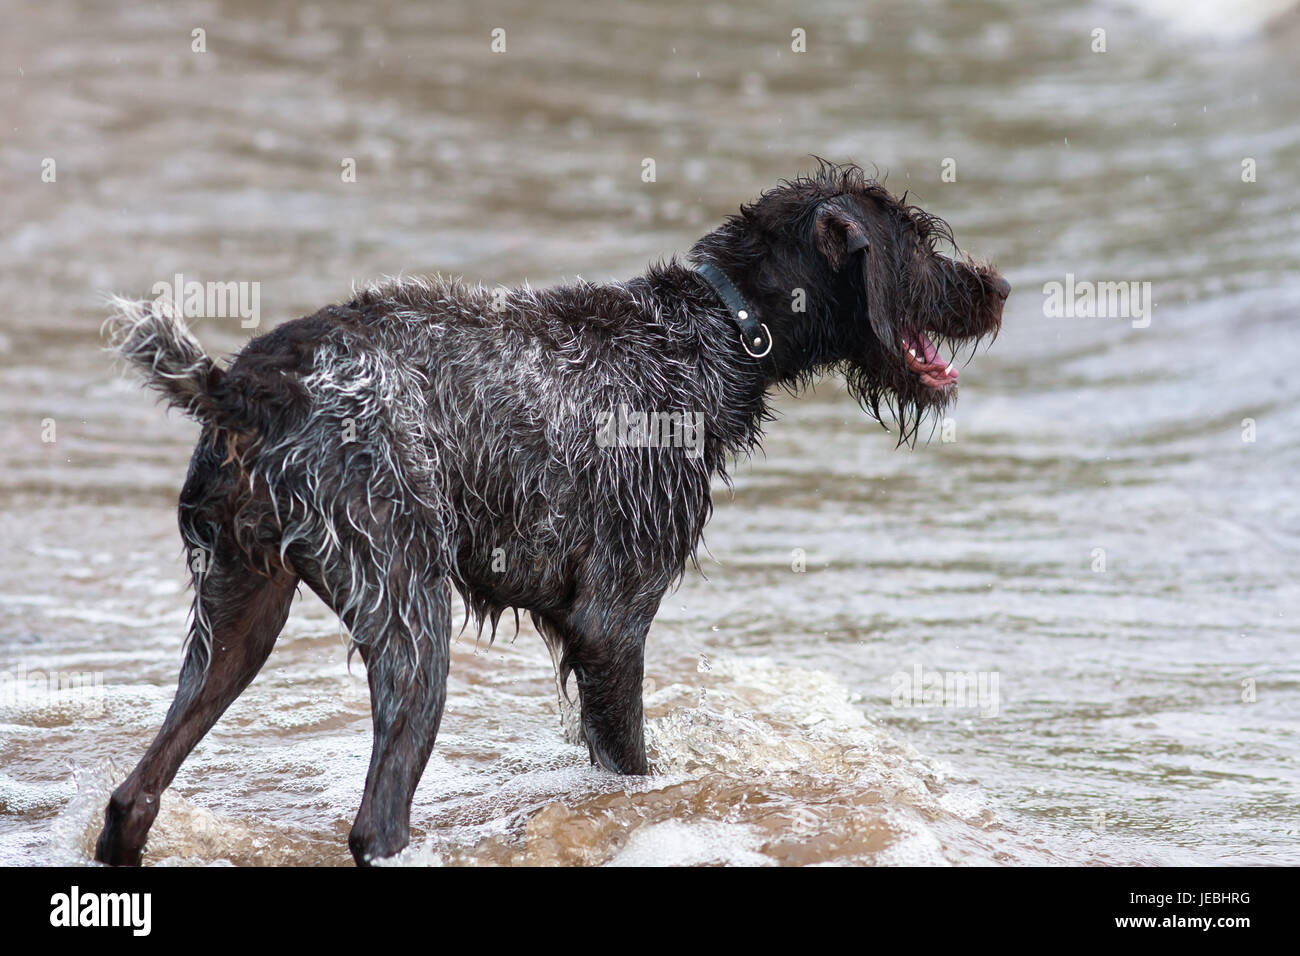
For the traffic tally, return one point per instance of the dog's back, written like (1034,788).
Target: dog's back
(497,404)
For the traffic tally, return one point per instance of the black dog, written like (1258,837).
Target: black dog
(549,451)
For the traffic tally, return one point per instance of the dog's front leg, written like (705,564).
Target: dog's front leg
(607,663)
(610,670)
(553,634)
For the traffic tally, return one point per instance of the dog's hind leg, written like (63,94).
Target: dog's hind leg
(238,615)
(407,672)
(396,606)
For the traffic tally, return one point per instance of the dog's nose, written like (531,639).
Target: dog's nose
(1002,287)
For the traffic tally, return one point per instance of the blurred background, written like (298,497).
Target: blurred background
(1109,529)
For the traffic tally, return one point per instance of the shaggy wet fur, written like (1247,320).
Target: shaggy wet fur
(428,435)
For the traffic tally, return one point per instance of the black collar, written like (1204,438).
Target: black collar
(754,337)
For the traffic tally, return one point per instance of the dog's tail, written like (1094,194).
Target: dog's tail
(156,341)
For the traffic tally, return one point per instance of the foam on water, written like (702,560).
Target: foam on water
(756,763)
(185,834)
(681,843)
(1216,17)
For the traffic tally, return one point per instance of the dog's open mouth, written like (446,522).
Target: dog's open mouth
(923,358)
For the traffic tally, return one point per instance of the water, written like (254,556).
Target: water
(1120,733)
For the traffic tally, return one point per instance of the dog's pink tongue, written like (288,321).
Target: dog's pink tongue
(933,370)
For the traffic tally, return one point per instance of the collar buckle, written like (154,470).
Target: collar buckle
(755,338)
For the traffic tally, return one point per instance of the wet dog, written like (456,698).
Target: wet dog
(550,451)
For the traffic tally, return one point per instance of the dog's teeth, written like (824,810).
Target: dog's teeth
(948,370)
(912,352)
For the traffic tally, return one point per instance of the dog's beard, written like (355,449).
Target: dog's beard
(901,370)
(895,395)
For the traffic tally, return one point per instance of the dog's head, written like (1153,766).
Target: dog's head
(847,277)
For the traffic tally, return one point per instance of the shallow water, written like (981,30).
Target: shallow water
(1120,733)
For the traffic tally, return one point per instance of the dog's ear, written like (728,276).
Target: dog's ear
(839,232)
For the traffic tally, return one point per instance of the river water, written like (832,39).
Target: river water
(1105,538)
